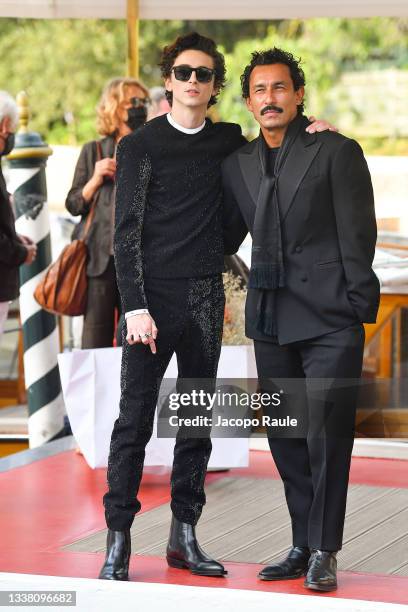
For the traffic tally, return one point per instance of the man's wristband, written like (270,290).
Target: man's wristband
(131,313)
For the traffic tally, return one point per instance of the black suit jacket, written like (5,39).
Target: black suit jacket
(100,233)
(12,252)
(328,233)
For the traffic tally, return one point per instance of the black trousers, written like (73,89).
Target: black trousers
(102,299)
(189,316)
(315,468)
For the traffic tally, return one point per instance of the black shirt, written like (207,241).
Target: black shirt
(169,204)
(272,154)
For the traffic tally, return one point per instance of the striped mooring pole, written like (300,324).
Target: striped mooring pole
(27,183)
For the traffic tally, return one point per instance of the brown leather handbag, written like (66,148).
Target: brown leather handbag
(63,289)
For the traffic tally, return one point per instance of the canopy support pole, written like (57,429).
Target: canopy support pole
(133,38)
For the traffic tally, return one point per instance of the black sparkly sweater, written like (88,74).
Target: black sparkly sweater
(169,216)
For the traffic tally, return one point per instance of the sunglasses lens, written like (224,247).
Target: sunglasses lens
(139,101)
(204,75)
(182,73)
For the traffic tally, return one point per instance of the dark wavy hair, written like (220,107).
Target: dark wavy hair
(199,43)
(274,56)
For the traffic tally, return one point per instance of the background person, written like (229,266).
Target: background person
(159,104)
(121,110)
(15,249)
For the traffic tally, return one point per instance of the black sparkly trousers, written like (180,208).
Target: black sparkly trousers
(315,468)
(189,316)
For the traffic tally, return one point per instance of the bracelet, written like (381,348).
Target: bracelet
(132,313)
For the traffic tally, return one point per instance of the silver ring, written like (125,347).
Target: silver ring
(146,335)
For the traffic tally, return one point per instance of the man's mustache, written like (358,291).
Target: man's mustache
(271,107)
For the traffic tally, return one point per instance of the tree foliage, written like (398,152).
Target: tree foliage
(327,48)
(63,65)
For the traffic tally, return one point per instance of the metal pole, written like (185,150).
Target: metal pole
(27,183)
(133,38)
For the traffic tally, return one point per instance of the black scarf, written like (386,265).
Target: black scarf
(267,266)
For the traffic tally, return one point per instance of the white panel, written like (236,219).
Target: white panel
(211,9)
(269,9)
(92,401)
(59,9)
(106,595)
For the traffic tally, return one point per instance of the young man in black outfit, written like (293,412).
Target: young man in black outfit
(308,202)
(169,257)
(169,253)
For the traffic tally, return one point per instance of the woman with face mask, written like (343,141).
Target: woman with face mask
(121,110)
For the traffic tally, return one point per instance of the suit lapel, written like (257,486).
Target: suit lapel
(251,169)
(299,159)
(301,155)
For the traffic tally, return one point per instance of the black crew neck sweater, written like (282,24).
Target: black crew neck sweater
(168,220)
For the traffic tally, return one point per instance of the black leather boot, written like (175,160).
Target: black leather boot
(116,566)
(322,574)
(294,566)
(184,552)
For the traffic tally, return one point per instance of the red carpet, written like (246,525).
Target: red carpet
(57,500)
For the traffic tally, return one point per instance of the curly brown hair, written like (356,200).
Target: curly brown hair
(112,96)
(199,43)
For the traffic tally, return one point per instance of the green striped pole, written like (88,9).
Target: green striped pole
(27,183)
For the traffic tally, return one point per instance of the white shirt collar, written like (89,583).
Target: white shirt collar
(183,129)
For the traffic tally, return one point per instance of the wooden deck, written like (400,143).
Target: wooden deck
(246,520)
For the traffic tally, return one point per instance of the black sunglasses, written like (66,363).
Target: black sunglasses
(136,102)
(184,72)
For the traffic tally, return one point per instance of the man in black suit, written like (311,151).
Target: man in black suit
(307,201)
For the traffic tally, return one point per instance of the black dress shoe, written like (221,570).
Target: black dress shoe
(322,574)
(294,566)
(116,566)
(184,552)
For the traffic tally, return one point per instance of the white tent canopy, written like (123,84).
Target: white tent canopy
(204,9)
